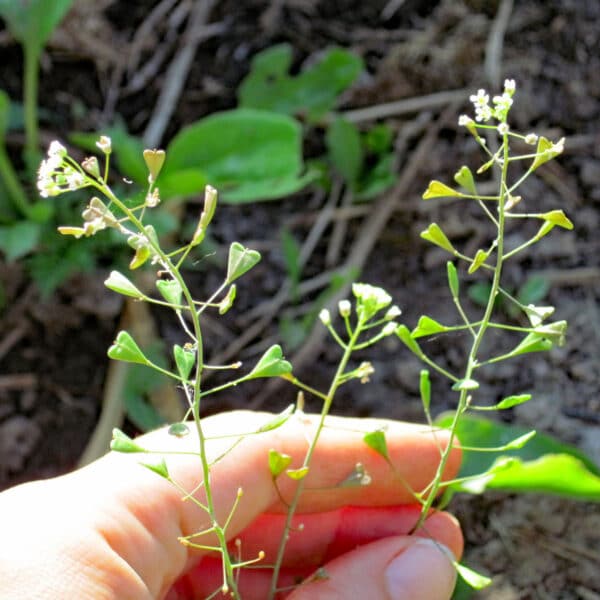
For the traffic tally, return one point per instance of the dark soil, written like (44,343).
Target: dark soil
(52,350)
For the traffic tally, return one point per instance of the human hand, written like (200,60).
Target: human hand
(110,530)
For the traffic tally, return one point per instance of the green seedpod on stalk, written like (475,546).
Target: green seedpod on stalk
(425,389)
(452,279)
(170,290)
(125,349)
(185,359)
(435,235)
(376,441)
(240,261)
(278,463)
(117,282)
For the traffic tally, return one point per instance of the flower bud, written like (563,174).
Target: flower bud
(325,317)
(105,144)
(345,308)
(393,312)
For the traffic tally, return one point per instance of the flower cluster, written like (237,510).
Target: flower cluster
(56,174)
(498,110)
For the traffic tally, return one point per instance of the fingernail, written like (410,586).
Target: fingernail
(424,571)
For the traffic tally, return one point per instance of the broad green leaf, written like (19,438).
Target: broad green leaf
(246,154)
(557,217)
(533,290)
(33,21)
(437,189)
(404,334)
(278,420)
(271,364)
(117,282)
(480,257)
(345,149)
(313,92)
(121,442)
(453,283)
(427,326)
(473,578)
(124,348)
(185,359)
(170,290)
(297,474)
(278,462)
(240,261)
(183,183)
(377,179)
(464,178)
(19,239)
(379,139)
(544,465)
(479,292)
(435,235)
(376,441)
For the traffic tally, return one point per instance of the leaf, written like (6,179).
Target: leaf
(271,364)
(464,178)
(240,261)
(247,154)
(435,235)
(121,442)
(480,292)
(19,239)
(33,21)
(533,290)
(170,290)
(545,464)
(376,441)
(185,359)
(377,179)
(437,189)
(117,282)
(344,148)
(124,348)
(473,578)
(427,326)
(313,92)
(278,462)
(278,420)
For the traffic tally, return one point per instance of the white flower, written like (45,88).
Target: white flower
(74,178)
(56,149)
(370,299)
(531,139)
(105,144)
(480,99)
(558,147)
(464,120)
(364,371)
(345,308)
(325,317)
(483,113)
(509,86)
(389,328)
(392,313)
(503,128)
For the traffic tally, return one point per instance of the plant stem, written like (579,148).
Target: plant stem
(348,349)
(30,99)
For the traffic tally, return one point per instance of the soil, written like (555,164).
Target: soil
(53,349)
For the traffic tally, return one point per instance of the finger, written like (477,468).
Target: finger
(398,568)
(324,538)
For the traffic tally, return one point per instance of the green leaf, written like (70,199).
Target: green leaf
(544,465)
(160,468)
(278,462)
(240,261)
(124,348)
(33,21)
(437,189)
(480,292)
(404,334)
(345,149)
(533,290)
(121,442)
(271,364)
(170,290)
(480,257)
(427,326)
(19,239)
(278,420)
(185,359)
(475,580)
(247,154)
(117,282)
(313,92)
(379,139)
(376,441)
(425,389)
(453,283)
(464,178)
(297,474)
(377,179)
(435,235)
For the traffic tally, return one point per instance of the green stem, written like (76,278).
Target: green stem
(472,358)
(307,459)
(30,99)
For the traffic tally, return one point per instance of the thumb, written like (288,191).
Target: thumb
(395,568)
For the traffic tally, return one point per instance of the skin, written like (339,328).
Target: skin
(111,529)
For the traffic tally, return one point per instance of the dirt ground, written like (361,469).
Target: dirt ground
(101,64)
